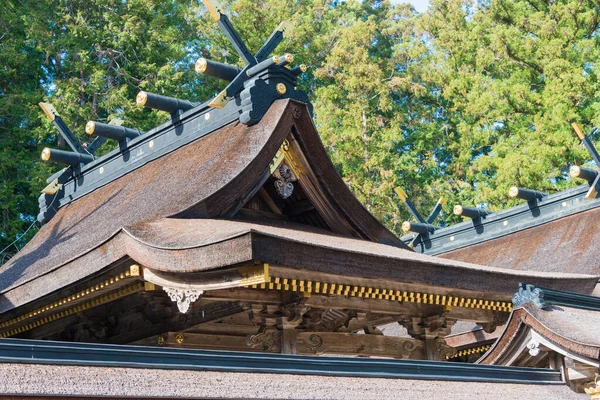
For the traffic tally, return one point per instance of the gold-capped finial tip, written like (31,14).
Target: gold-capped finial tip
(46,154)
(201,65)
(513,191)
(214,8)
(578,130)
(458,210)
(303,67)
(575,171)
(406,226)
(442,201)
(90,127)
(49,110)
(401,193)
(288,57)
(141,98)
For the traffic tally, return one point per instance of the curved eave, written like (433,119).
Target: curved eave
(572,330)
(209,177)
(194,245)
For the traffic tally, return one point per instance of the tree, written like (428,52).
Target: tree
(515,74)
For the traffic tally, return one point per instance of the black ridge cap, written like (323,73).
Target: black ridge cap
(173,127)
(122,356)
(518,218)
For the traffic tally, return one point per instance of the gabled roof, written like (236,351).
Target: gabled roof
(173,215)
(44,368)
(565,244)
(213,176)
(573,331)
(550,235)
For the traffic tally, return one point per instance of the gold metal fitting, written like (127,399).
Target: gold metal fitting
(578,130)
(141,98)
(281,89)
(513,191)
(406,226)
(49,110)
(201,65)
(179,338)
(575,171)
(303,67)
(458,210)
(160,340)
(90,127)
(288,57)
(276,59)
(401,193)
(443,201)
(46,154)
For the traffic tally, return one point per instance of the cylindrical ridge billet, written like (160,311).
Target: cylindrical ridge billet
(417,227)
(299,69)
(526,194)
(66,157)
(261,66)
(285,59)
(111,131)
(216,69)
(583,173)
(163,103)
(470,212)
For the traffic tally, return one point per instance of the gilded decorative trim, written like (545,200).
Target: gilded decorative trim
(133,271)
(310,287)
(474,350)
(136,287)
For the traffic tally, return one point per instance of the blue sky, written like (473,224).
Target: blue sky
(419,5)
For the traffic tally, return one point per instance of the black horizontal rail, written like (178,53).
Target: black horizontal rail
(102,355)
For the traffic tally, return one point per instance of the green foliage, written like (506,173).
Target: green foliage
(462,101)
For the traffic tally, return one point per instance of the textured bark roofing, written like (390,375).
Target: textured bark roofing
(54,381)
(206,178)
(193,245)
(566,245)
(574,329)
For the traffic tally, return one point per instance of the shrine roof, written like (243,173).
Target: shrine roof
(212,176)
(565,244)
(43,368)
(190,246)
(573,329)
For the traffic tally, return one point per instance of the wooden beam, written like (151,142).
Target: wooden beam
(205,341)
(394,307)
(355,344)
(298,208)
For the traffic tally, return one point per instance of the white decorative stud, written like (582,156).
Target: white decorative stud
(183,297)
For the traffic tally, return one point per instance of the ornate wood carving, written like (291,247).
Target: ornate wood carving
(284,178)
(356,344)
(266,339)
